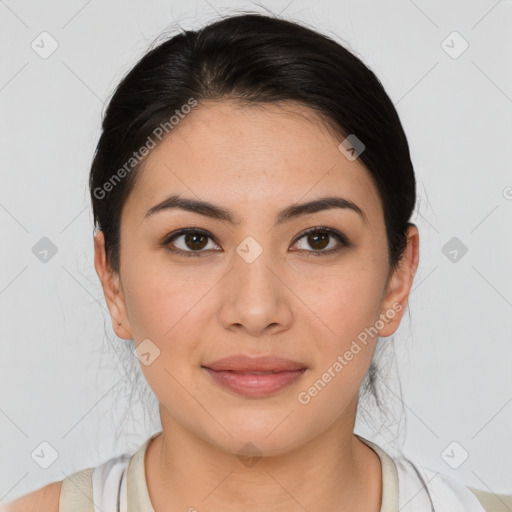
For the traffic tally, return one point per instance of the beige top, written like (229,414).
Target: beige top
(77,489)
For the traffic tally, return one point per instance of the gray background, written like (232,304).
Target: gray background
(63,374)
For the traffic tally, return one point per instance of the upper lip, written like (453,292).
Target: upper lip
(260,363)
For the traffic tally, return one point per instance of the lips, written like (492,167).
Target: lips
(242,363)
(254,376)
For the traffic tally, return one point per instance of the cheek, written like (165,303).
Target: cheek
(165,309)
(346,309)
(149,309)
(163,320)
(346,302)
(347,312)
(159,300)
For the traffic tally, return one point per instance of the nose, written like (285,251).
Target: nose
(255,297)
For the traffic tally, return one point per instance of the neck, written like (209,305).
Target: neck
(333,472)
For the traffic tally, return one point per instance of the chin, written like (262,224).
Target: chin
(251,441)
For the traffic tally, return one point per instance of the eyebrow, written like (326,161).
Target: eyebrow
(290,212)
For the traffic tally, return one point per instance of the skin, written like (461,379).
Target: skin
(255,161)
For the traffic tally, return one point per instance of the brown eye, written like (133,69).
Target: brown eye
(320,238)
(195,242)
(189,242)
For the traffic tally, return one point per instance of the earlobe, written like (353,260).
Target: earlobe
(400,283)
(112,290)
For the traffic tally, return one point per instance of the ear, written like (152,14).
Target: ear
(112,290)
(399,284)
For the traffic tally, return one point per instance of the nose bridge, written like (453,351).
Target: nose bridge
(253,265)
(254,298)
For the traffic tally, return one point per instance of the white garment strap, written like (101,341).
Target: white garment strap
(109,485)
(447,494)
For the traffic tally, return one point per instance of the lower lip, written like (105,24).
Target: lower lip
(255,385)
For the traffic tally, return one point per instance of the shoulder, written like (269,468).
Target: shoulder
(493,502)
(74,493)
(46,498)
(445,491)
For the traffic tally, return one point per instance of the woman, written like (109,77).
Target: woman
(252,189)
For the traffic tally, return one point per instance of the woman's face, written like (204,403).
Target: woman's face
(257,284)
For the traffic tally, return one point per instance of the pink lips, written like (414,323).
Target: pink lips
(255,376)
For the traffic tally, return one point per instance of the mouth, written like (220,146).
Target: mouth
(254,384)
(255,377)
(255,363)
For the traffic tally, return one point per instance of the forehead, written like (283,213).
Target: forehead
(258,156)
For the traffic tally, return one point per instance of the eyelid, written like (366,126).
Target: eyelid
(184,231)
(324,229)
(340,237)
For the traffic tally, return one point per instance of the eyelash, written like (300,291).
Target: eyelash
(199,253)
